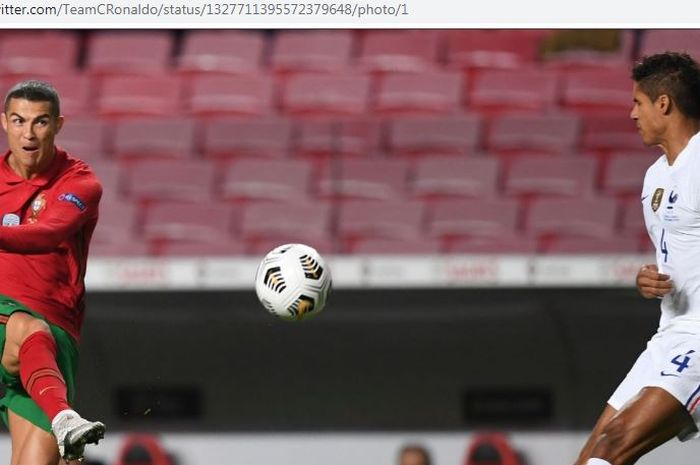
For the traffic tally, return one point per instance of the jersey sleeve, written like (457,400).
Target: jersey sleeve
(75,202)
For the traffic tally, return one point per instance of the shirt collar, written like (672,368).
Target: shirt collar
(40,179)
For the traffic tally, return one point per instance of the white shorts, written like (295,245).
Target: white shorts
(671,361)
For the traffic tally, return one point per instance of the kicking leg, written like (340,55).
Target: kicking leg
(650,419)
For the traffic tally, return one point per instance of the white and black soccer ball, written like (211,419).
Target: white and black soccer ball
(293,282)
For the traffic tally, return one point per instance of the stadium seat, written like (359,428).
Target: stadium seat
(85,138)
(263,137)
(490,245)
(551,176)
(154,138)
(138,96)
(221,51)
(579,56)
(493,218)
(75,90)
(456,135)
(594,217)
(389,219)
(280,180)
(267,224)
(521,134)
(337,137)
(519,90)
(609,132)
(624,173)
(588,245)
(311,51)
(199,249)
(438,92)
(374,178)
(232,95)
(632,220)
(116,231)
(390,51)
(497,49)
(440,176)
(598,90)
(31,54)
(184,180)
(661,40)
(129,52)
(110,175)
(326,95)
(189,222)
(382,246)
(323,245)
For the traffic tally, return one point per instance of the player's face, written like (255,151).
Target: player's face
(647,115)
(30,135)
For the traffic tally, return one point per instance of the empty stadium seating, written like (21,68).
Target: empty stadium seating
(396,141)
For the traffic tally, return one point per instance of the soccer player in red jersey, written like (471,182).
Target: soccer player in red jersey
(48,206)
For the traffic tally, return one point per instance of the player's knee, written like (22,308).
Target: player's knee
(617,441)
(21,325)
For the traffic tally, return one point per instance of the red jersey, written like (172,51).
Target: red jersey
(47,223)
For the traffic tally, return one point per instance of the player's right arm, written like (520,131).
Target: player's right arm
(652,284)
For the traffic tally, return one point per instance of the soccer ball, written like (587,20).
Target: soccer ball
(293,281)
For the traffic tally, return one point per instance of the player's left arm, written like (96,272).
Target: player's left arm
(74,203)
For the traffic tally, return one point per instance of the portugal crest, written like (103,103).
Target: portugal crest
(38,205)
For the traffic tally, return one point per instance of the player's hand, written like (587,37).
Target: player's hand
(652,284)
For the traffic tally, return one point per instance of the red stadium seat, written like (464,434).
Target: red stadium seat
(598,90)
(281,180)
(490,245)
(154,138)
(587,57)
(185,180)
(438,92)
(311,51)
(456,176)
(400,50)
(85,138)
(221,51)
(200,249)
(487,218)
(365,179)
(624,173)
(111,177)
(117,224)
(590,217)
(499,49)
(379,246)
(232,95)
(632,221)
(518,134)
(661,40)
(456,135)
(130,249)
(188,222)
(610,132)
(588,245)
(136,96)
(551,176)
(31,54)
(263,137)
(519,90)
(129,52)
(345,137)
(282,221)
(392,219)
(324,245)
(326,95)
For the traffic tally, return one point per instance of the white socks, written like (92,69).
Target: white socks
(597,462)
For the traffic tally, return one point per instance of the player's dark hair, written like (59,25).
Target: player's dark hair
(416,449)
(674,74)
(35,91)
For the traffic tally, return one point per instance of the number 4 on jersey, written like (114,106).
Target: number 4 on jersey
(682,364)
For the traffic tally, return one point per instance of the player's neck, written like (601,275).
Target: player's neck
(677,138)
(30,172)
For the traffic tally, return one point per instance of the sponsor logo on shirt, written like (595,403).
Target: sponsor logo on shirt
(10,219)
(72,198)
(656,198)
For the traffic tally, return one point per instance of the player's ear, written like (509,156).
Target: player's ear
(3,116)
(664,104)
(59,123)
